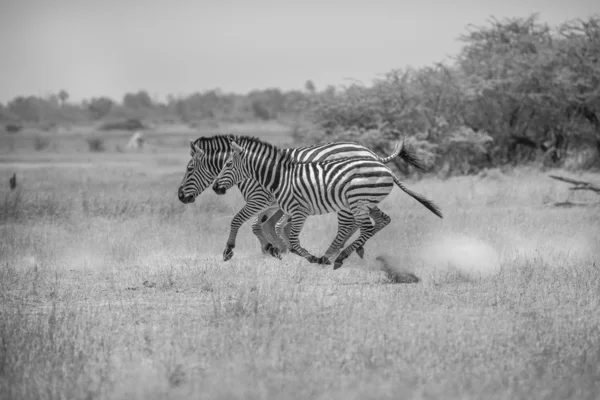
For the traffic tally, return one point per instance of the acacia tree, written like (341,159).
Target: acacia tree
(531,87)
(578,80)
(424,106)
(517,89)
(99,107)
(310,87)
(506,67)
(63,95)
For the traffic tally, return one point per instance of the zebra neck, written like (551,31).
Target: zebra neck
(268,172)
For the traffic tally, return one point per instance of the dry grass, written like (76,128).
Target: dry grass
(110,288)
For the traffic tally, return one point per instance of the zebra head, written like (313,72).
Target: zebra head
(233,171)
(198,175)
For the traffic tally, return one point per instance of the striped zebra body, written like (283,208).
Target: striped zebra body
(354,185)
(208,156)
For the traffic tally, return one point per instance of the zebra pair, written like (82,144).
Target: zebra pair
(354,185)
(208,155)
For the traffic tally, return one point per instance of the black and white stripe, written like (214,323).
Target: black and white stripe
(208,156)
(354,185)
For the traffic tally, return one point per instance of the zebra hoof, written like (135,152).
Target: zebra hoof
(228,253)
(276,253)
(339,261)
(360,251)
(324,261)
(273,251)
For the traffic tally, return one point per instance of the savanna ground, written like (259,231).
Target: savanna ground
(111,288)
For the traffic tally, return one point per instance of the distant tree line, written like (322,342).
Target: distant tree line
(519,91)
(215,105)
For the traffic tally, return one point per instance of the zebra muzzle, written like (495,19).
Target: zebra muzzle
(218,189)
(185,199)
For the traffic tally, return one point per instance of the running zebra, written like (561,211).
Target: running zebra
(209,154)
(354,185)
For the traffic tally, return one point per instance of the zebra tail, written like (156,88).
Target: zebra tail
(430,205)
(407,155)
(397,151)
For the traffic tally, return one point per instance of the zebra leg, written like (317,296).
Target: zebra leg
(346,227)
(282,233)
(381,220)
(273,249)
(250,209)
(367,230)
(264,229)
(258,232)
(298,219)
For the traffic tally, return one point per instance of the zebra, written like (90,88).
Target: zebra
(352,184)
(208,155)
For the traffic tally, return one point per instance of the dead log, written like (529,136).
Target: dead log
(568,204)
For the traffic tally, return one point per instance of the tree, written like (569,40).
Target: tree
(99,107)
(260,110)
(310,87)
(577,79)
(63,96)
(25,108)
(5,114)
(508,68)
(138,101)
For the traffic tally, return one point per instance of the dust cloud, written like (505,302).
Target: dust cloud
(471,257)
(474,258)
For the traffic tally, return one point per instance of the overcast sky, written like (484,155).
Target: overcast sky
(109,47)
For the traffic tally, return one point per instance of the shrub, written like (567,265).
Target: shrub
(41,143)
(131,124)
(13,128)
(95,144)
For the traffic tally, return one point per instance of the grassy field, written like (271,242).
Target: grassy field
(111,288)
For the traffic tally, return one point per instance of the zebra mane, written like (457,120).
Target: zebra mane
(250,140)
(335,160)
(251,143)
(221,142)
(216,142)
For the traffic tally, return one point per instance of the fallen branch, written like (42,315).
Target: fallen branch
(579,185)
(572,204)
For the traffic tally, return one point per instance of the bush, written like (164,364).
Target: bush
(513,96)
(131,124)
(95,144)
(41,143)
(13,128)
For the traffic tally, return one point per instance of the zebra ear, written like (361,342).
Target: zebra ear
(195,149)
(237,148)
